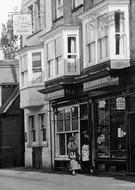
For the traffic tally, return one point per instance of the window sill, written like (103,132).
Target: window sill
(57,19)
(78,7)
(34,33)
(44,144)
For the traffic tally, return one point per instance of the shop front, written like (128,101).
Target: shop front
(103,109)
(113,117)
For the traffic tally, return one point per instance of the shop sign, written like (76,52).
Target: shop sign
(101,82)
(120,103)
(22,24)
(55,94)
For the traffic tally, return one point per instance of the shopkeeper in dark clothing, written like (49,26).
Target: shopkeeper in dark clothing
(85,151)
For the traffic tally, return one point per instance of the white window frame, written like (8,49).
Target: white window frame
(37,70)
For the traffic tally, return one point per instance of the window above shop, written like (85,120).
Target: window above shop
(106,37)
(62,55)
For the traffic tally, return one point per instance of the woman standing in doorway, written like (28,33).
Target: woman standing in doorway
(73,155)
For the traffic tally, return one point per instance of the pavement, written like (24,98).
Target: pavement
(26,179)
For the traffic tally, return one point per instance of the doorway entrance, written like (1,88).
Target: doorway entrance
(37,157)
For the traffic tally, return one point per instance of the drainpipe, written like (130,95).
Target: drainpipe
(50,135)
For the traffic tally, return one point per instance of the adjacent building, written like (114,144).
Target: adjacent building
(11,116)
(77,74)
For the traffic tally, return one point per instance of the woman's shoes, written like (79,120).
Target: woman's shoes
(73,172)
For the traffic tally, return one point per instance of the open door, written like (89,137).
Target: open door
(131,125)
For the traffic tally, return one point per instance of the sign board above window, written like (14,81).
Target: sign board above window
(22,24)
(101,82)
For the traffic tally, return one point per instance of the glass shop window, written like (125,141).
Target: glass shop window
(67,120)
(111,130)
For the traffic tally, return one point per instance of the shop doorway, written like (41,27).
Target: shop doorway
(131,125)
(85,146)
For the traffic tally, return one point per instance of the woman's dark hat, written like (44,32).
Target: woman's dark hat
(85,132)
(71,138)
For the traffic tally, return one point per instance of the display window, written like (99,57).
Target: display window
(67,124)
(111,129)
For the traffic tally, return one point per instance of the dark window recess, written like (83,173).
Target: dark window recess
(117,44)
(83,110)
(62,144)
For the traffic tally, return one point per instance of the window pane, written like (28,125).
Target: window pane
(59,65)
(91,53)
(71,44)
(118,132)
(117,22)
(75,124)
(117,44)
(44,134)
(103,130)
(33,136)
(74,111)
(67,125)
(36,59)
(59,125)
(59,47)
(83,110)
(62,144)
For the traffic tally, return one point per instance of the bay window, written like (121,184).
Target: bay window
(67,124)
(111,130)
(106,37)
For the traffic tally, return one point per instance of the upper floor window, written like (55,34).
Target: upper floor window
(62,55)
(77,3)
(24,70)
(50,59)
(38,16)
(102,35)
(90,44)
(106,37)
(119,33)
(58,55)
(59,8)
(36,65)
